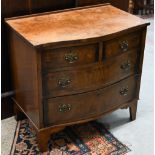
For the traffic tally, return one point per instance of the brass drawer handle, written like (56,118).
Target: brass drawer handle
(64,82)
(124,91)
(71,57)
(126,66)
(64,107)
(124,45)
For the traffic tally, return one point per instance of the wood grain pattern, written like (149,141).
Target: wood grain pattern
(25,76)
(71,25)
(56,58)
(89,104)
(97,77)
(113,46)
(90,77)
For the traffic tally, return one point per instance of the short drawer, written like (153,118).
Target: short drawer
(70,56)
(82,106)
(96,76)
(121,45)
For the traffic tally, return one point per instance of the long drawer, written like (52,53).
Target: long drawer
(79,80)
(82,106)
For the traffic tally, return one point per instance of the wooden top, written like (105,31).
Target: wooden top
(76,24)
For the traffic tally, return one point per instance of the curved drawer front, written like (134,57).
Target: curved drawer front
(89,78)
(82,106)
(70,56)
(121,45)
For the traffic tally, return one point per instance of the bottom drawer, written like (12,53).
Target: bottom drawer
(82,106)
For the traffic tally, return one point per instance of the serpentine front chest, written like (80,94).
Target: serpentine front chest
(75,65)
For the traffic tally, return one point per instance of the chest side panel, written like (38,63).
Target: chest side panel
(25,68)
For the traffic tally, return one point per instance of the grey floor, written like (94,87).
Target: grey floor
(137,135)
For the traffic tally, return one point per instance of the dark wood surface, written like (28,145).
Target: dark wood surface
(70,56)
(51,90)
(48,5)
(7,108)
(90,77)
(122,4)
(90,104)
(145,6)
(117,46)
(26,81)
(12,8)
(133,110)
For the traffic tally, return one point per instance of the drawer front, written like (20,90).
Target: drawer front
(120,45)
(82,106)
(89,78)
(70,56)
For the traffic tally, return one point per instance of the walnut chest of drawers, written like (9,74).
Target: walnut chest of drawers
(75,65)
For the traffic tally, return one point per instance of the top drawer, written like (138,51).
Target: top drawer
(120,45)
(70,56)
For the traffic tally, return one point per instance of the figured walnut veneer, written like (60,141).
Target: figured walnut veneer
(76,65)
(74,24)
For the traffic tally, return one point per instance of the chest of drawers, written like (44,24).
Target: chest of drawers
(75,65)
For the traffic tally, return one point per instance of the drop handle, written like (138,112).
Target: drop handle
(64,107)
(126,65)
(124,91)
(64,82)
(124,45)
(71,57)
